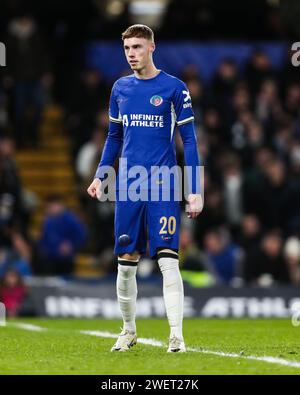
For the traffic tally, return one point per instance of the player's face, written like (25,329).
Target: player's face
(138,52)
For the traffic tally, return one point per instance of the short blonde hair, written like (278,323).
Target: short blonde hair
(139,31)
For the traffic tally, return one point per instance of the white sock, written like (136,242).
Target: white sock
(173,291)
(127,292)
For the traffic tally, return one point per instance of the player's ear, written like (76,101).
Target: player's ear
(152,47)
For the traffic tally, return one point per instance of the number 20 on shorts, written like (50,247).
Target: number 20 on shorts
(168,225)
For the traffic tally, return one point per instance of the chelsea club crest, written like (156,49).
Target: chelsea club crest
(156,100)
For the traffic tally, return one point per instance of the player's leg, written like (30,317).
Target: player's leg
(164,222)
(129,225)
(127,294)
(127,289)
(173,296)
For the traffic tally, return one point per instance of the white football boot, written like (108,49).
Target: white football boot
(125,341)
(176,345)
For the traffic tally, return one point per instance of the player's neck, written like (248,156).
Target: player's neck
(147,72)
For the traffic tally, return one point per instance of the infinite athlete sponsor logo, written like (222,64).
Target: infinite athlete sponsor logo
(143,120)
(156,100)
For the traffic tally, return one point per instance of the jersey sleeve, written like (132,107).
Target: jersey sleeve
(185,121)
(114,140)
(182,104)
(114,112)
(191,156)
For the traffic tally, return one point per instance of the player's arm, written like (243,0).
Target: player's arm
(112,146)
(192,161)
(185,123)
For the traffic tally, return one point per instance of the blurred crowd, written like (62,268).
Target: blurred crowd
(175,19)
(248,128)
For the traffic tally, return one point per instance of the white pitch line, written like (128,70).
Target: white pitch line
(150,342)
(27,327)
(157,343)
(278,361)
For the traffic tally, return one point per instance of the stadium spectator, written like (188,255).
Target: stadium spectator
(293,211)
(250,233)
(258,70)
(255,139)
(196,89)
(193,263)
(223,257)
(232,190)
(190,72)
(267,105)
(11,259)
(292,100)
(26,64)
(292,256)
(214,129)
(275,195)
(10,185)
(266,266)
(12,292)
(224,82)
(4,117)
(254,178)
(241,99)
(15,254)
(213,214)
(85,100)
(288,73)
(283,141)
(88,155)
(12,214)
(62,235)
(103,119)
(99,216)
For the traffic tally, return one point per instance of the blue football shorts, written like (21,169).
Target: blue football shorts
(156,221)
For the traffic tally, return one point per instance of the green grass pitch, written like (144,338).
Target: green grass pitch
(62,349)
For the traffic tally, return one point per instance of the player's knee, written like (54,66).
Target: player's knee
(134,256)
(167,260)
(167,250)
(127,265)
(127,272)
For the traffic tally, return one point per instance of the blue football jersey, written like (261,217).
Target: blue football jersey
(143,116)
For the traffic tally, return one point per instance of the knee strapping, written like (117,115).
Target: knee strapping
(127,269)
(168,261)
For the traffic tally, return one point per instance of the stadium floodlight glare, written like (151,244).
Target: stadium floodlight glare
(148,12)
(138,7)
(115,8)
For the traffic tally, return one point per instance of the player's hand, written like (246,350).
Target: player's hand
(195,205)
(94,190)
